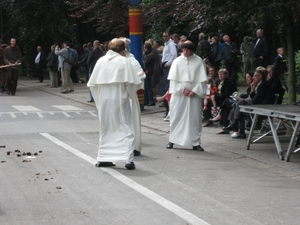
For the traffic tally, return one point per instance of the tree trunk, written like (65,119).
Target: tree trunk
(291,63)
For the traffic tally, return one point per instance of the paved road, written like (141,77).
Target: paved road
(223,185)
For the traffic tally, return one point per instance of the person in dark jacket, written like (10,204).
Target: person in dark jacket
(261,93)
(225,88)
(152,70)
(281,67)
(261,49)
(230,52)
(52,65)
(275,82)
(92,59)
(203,48)
(39,63)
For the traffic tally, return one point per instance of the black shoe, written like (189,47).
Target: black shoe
(170,145)
(232,127)
(136,153)
(240,136)
(104,164)
(90,101)
(198,148)
(151,104)
(130,166)
(223,132)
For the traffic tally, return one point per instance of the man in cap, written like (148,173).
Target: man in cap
(188,87)
(116,112)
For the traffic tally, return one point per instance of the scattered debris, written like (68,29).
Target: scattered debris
(37,174)
(58,187)
(24,153)
(2,146)
(25,160)
(35,153)
(19,155)
(46,179)
(17,150)
(28,153)
(40,151)
(8,153)
(3,161)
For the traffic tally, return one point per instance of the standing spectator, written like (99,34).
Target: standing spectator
(52,64)
(149,61)
(230,52)
(113,83)
(94,55)
(168,56)
(280,65)
(176,39)
(246,50)
(188,88)
(216,53)
(65,68)
(2,74)
(39,63)
(83,61)
(261,49)
(203,48)
(73,72)
(12,56)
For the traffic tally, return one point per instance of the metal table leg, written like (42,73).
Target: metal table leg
(251,130)
(292,141)
(275,136)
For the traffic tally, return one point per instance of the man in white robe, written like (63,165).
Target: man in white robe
(113,84)
(142,75)
(188,87)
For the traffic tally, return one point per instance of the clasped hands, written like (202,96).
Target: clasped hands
(188,93)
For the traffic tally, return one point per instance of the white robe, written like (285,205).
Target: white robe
(113,83)
(185,118)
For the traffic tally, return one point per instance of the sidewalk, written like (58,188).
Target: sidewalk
(262,155)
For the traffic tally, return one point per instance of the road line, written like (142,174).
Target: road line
(39,114)
(25,113)
(189,217)
(13,115)
(26,108)
(92,113)
(66,114)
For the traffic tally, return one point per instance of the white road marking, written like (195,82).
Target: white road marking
(26,108)
(39,114)
(189,217)
(51,113)
(66,107)
(13,115)
(66,114)
(25,113)
(92,113)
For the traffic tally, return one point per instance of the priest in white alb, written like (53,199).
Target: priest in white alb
(113,84)
(188,88)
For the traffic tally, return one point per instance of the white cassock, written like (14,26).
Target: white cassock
(185,117)
(113,84)
(137,123)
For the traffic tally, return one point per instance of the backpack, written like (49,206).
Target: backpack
(72,57)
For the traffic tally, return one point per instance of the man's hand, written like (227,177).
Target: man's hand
(186,92)
(166,65)
(192,94)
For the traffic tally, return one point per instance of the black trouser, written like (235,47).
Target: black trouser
(39,72)
(225,110)
(11,80)
(232,71)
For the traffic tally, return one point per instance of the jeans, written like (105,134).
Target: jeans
(164,82)
(148,91)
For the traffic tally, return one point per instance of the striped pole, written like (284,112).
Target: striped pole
(136,38)
(136,32)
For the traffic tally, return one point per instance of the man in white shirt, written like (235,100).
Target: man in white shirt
(39,62)
(168,56)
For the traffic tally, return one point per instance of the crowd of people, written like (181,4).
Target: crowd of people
(196,83)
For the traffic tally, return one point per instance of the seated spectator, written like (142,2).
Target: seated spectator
(225,88)
(211,91)
(261,93)
(275,82)
(230,107)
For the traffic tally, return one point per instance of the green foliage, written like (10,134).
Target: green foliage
(297,67)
